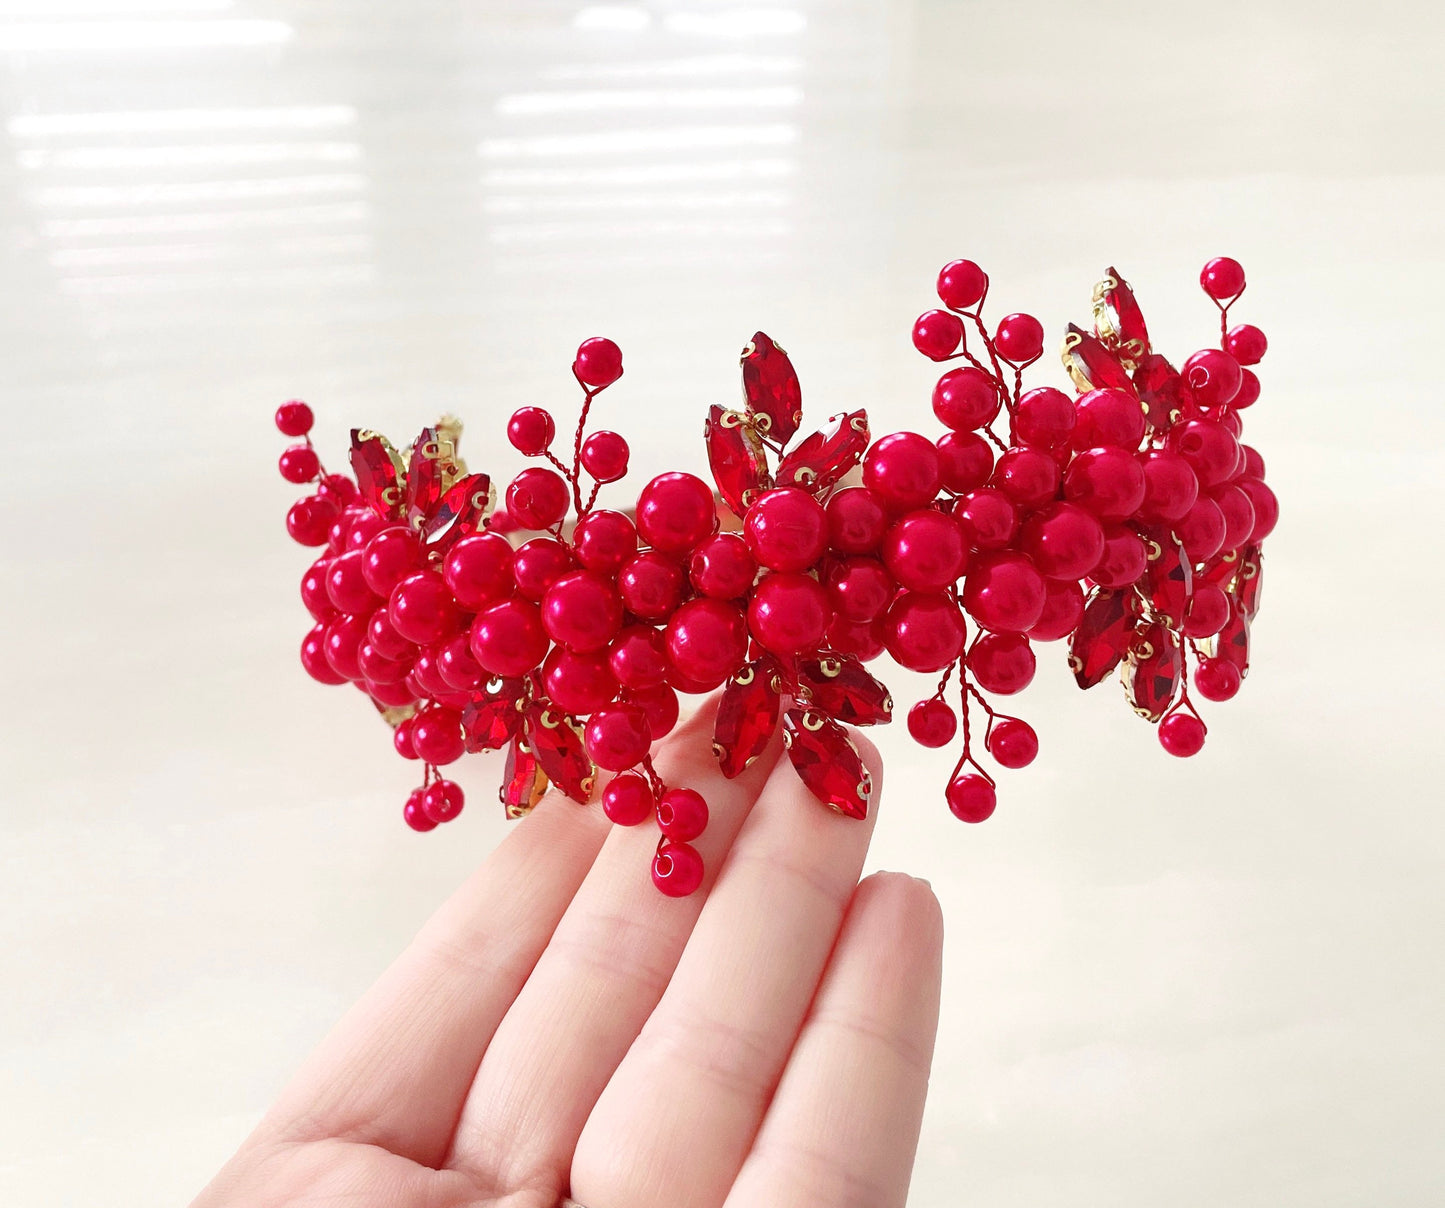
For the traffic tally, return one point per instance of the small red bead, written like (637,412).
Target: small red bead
(598,362)
(426,675)
(707,640)
(1108,482)
(1217,679)
(313,656)
(401,739)
(862,639)
(627,800)
(309,520)
(1124,559)
(937,334)
(1207,613)
(605,456)
(1170,486)
(786,529)
(414,815)
(1248,391)
(924,551)
(389,557)
(1214,377)
(986,519)
(682,814)
(1238,514)
(677,869)
(924,632)
(1063,609)
(1266,508)
(1013,743)
(1111,418)
(660,704)
(857,520)
(531,430)
(443,800)
(789,612)
(538,564)
(1064,540)
(932,723)
(537,498)
(578,683)
(901,469)
(422,609)
(582,610)
(1208,447)
(344,636)
(651,586)
(1253,462)
(618,737)
(294,418)
(1182,734)
(477,570)
(722,567)
(971,798)
(458,667)
(508,639)
(604,540)
(1044,418)
(1019,339)
(377,668)
(313,591)
(638,657)
(384,638)
(346,585)
(675,512)
(299,464)
(861,589)
(436,735)
(965,460)
(965,399)
(1005,593)
(365,524)
(1029,477)
(1246,344)
(1222,278)
(1201,532)
(962,284)
(1003,663)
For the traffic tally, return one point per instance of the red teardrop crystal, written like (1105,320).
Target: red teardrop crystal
(1232,642)
(822,459)
(1161,390)
(827,762)
(770,386)
(1102,637)
(747,715)
(841,687)
(1118,321)
(462,511)
(737,457)
(1249,586)
(430,468)
(523,781)
(1091,364)
(378,471)
(1168,578)
(1154,671)
(493,718)
(556,739)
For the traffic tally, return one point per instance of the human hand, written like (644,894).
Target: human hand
(561,1028)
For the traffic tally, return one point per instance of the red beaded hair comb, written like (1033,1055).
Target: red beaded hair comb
(1127,520)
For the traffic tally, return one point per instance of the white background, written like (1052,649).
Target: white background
(1206,983)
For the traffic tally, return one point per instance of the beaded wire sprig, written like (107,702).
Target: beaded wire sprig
(1127,519)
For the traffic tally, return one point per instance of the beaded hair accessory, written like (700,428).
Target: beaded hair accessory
(1127,520)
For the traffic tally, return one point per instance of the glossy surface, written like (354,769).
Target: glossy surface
(1220,992)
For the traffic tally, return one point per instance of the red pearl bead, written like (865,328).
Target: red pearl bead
(902,470)
(923,632)
(862,639)
(579,683)
(789,612)
(508,639)
(477,570)
(1266,508)
(1217,679)
(857,520)
(1013,743)
(937,334)
(1170,486)
(538,564)
(932,723)
(1005,593)
(1213,376)
(310,519)
(962,284)
(971,798)
(299,464)
(457,667)
(1108,482)
(414,815)
(986,519)
(1207,612)
(618,737)
(294,418)
(965,461)
(391,696)
(376,668)
(598,362)
(722,567)
(1246,344)
(1064,541)
(660,705)
(342,646)
(651,586)
(1108,418)
(860,589)
(365,524)
(1044,418)
(384,638)
(401,739)
(1248,391)
(1063,610)
(1029,477)
(1182,734)
(340,489)
(604,540)
(924,551)
(1124,559)
(531,430)
(638,657)
(582,610)
(1003,663)
(627,799)
(346,585)
(314,658)
(426,674)
(677,869)
(313,591)
(707,640)
(1238,513)
(965,399)
(675,512)
(537,498)
(389,557)
(1253,462)
(443,800)
(605,456)
(682,814)
(436,735)
(1222,278)
(422,609)
(1019,339)
(786,529)
(1201,532)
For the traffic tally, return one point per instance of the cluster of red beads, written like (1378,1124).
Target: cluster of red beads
(1127,520)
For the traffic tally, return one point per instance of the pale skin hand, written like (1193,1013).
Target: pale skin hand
(559,1027)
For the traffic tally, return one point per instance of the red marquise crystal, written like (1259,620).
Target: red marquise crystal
(1091,364)
(429,469)
(556,739)
(822,459)
(747,715)
(1249,587)
(1118,321)
(841,687)
(1154,671)
(827,762)
(378,471)
(1168,578)
(493,718)
(1161,390)
(770,386)
(1232,642)
(1102,637)
(462,511)
(1220,570)
(737,457)
(523,781)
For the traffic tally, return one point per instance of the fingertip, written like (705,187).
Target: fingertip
(904,908)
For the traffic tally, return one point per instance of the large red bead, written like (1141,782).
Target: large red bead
(413,814)
(537,498)
(937,334)
(582,610)
(747,716)
(1266,508)
(314,657)
(1238,513)
(294,418)
(651,586)
(1005,593)
(638,658)
(932,723)
(1064,540)
(860,589)
(827,762)
(857,520)
(1003,663)
(1109,482)
(1182,734)
(605,455)
(1063,608)
(508,639)
(299,464)
(538,564)
(1108,418)
(924,551)
(965,399)
(682,814)
(1246,344)
(786,529)
(346,585)
(707,641)
(965,460)
(1202,530)
(971,798)
(477,570)
(1208,447)
(1217,679)
(789,612)
(1207,612)
(986,519)
(436,735)
(1170,486)
(603,540)
(578,683)
(660,705)
(864,639)
(924,632)
(598,362)
(1013,743)
(443,800)
(530,430)
(722,567)
(422,609)
(389,557)
(1044,418)
(377,668)
(962,284)
(310,519)
(1029,477)
(618,736)
(1019,339)
(675,512)
(627,800)
(677,869)
(1213,376)
(902,470)
(313,591)
(1222,278)
(1124,558)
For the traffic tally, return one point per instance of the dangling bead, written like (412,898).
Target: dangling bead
(677,869)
